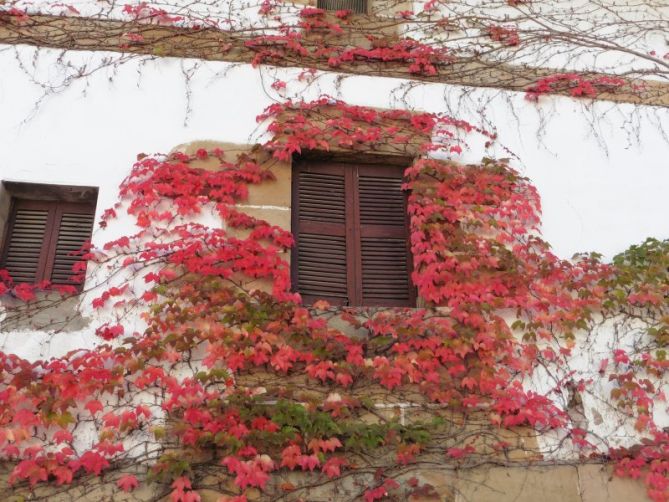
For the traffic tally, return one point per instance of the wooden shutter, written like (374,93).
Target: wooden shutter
(319,223)
(25,253)
(385,260)
(43,237)
(75,226)
(358,6)
(350,227)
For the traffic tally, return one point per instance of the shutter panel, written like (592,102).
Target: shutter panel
(321,197)
(357,6)
(382,201)
(320,215)
(74,231)
(24,250)
(351,229)
(385,260)
(385,271)
(41,237)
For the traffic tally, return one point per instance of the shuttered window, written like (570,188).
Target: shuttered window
(44,239)
(351,230)
(357,6)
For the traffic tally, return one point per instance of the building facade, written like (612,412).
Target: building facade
(438,165)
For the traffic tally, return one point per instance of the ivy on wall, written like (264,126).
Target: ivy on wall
(251,386)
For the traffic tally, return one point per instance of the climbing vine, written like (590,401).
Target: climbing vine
(245,388)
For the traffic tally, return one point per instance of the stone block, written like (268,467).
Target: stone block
(521,484)
(231,151)
(598,484)
(276,192)
(273,215)
(269,193)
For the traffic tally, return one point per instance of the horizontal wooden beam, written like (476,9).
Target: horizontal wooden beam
(88,34)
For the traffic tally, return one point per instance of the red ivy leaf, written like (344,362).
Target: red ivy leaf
(94,406)
(127,483)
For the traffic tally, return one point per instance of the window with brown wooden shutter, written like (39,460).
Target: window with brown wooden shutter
(44,238)
(351,229)
(357,6)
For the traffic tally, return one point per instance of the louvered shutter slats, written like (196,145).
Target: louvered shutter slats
(315,281)
(382,201)
(384,251)
(24,247)
(75,229)
(321,235)
(358,6)
(44,238)
(322,197)
(350,223)
(384,270)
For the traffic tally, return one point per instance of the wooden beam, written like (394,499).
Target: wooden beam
(88,34)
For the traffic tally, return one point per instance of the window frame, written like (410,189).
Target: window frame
(56,200)
(353,231)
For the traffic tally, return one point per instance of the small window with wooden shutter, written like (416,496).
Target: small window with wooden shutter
(357,6)
(44,239)
(350,225)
